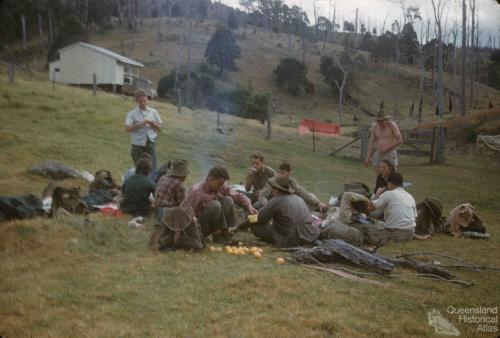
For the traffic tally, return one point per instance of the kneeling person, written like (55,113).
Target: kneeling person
(292,222)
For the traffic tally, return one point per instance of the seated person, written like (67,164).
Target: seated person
(102,190)
(257,176)
(346,223)
(137,189)
(131,171)
(385,168)
(170,190)
(285,170)
(213,203)
(291,218)
(399,209)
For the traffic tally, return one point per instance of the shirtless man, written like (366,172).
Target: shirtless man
(384,140)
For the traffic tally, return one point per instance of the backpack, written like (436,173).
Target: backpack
(177,228)
(68,199)
(20,207)
(430,219)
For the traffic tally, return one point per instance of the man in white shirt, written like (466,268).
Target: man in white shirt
(143,123)
(399,208)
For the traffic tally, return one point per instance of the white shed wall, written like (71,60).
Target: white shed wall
(77,65)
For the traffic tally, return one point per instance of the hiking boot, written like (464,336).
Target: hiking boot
(223,239)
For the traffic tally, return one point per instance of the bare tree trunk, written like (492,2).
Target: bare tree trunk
(188,67)
(333,22)
(356,29)
(476,56)
(40,29)
(441,145)
(397,51)
(472,5)
(179,52)
(464,54)
(120,12)
(86,13)
(455,81)
(51,26)
(289,35)
(23,27)
(422,71)
(341,92)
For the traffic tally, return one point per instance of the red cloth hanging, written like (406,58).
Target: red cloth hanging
(324,128)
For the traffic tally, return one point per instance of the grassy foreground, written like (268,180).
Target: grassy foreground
(64,277)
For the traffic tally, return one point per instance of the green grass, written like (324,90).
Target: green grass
(66,277)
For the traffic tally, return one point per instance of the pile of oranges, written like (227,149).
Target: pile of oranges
(244,251)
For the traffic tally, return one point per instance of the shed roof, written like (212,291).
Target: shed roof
(106,52)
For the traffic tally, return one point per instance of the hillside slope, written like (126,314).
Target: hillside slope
(261,52)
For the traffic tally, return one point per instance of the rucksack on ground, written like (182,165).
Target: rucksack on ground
(20,207)
(177,228)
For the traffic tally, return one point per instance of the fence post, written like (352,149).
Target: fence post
(433,144)
(11,71)
(364,133)
(179,101)
(269,129)
(114,88)
(94,84)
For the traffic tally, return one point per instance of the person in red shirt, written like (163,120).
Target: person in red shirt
(213,203)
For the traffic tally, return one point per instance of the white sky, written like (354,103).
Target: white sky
(376,11)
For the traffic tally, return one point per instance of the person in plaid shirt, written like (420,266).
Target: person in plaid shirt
(170,190)
(213,203)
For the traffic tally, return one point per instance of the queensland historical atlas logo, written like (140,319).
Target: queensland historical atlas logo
(484,319)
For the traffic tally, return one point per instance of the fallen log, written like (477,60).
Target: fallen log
(422,267)
(344,274)
(334,250)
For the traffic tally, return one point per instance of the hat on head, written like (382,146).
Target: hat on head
(177,168)
(281,183)
(381,115)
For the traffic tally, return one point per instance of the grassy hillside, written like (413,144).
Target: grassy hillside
(65,277)
(261,52)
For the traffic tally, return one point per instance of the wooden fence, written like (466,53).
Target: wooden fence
(418,143)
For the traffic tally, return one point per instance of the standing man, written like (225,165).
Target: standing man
(257,176)
(385,138)
(143,123)
(213,203)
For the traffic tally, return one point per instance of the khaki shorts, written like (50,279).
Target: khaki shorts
(391,155)
(400,235)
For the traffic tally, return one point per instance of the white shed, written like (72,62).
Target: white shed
(77,63)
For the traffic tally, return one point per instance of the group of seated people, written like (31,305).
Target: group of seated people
(283,207)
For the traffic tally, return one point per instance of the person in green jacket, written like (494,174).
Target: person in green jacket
(137,191)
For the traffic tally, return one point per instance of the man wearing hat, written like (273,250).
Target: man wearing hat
(292,222)
(384,139)
(170,190)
